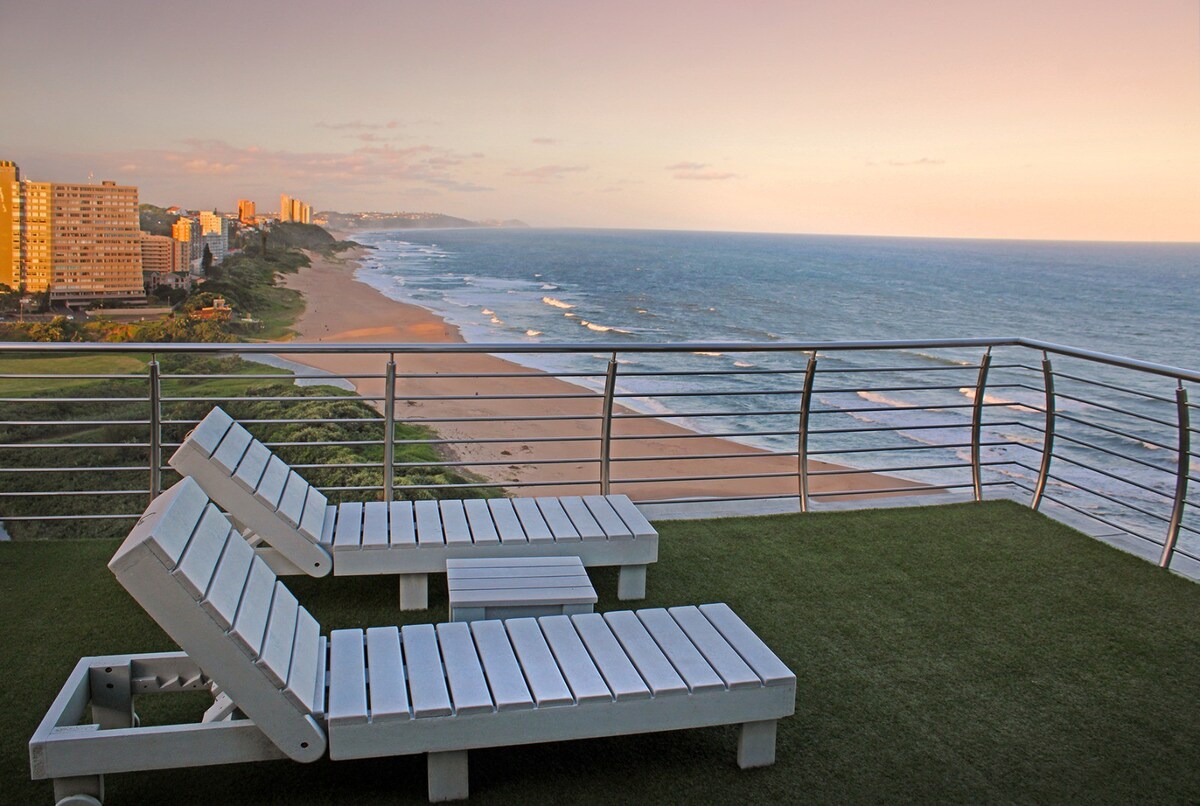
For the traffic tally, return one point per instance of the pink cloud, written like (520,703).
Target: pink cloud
(370,165)
(358,125)
(917,163)
(705,176)
(686,166)
(544,141)
(546,173)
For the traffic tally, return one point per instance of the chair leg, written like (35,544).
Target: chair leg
(414,591)
(631,584)
(448,778)
(756,744)
(112,696)
(82,790)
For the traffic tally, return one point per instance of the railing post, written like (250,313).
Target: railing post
(1181,475)
(389,434)
(810,373)
(977,425)
(1047,433)
(610,390)
(155,429)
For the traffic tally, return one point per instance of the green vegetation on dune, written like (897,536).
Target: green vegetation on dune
(960,654)
(124,406)
(248,282)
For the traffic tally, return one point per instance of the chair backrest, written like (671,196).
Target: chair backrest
(200,580)
(258,489)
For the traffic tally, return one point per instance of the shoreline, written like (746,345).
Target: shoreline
(340,308)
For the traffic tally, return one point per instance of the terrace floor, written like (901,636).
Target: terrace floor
(962,653)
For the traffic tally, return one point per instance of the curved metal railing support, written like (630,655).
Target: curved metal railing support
(1181,476)
(610,390)
(155,428)
(389,429)
(810,373)
(977,425)
(1047,434)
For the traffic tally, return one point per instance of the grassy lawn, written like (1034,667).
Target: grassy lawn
(98,364)
(967,653)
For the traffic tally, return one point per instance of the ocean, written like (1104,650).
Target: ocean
(614,286)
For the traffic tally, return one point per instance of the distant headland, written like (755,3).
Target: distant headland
(348,222)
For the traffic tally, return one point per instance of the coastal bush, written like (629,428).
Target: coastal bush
(30,484)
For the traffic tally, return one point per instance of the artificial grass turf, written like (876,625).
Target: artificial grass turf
(964,653)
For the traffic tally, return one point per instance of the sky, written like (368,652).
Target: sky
(1046,119)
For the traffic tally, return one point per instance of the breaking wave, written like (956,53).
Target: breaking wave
(601,328)
(557,303)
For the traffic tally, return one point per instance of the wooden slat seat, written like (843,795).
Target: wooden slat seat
(280,688)
(302,533)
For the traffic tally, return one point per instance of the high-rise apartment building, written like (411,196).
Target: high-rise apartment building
(246,212)
(10,216)
(80,242)
(165,262)
(294,210)
(214,233)
(210,222)
(163,254)
(187,230)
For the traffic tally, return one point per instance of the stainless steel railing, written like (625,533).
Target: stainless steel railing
(1106,437)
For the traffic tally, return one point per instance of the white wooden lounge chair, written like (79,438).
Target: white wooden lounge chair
(301,532)
(281,689)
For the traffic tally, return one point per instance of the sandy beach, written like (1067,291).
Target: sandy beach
(340,309)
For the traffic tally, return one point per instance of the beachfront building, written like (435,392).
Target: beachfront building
(79,242)
(187,230)
(10,197)
(165,262)
(214,233)
(294,210)
(246,212)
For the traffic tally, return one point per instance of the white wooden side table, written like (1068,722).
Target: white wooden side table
(515,587)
